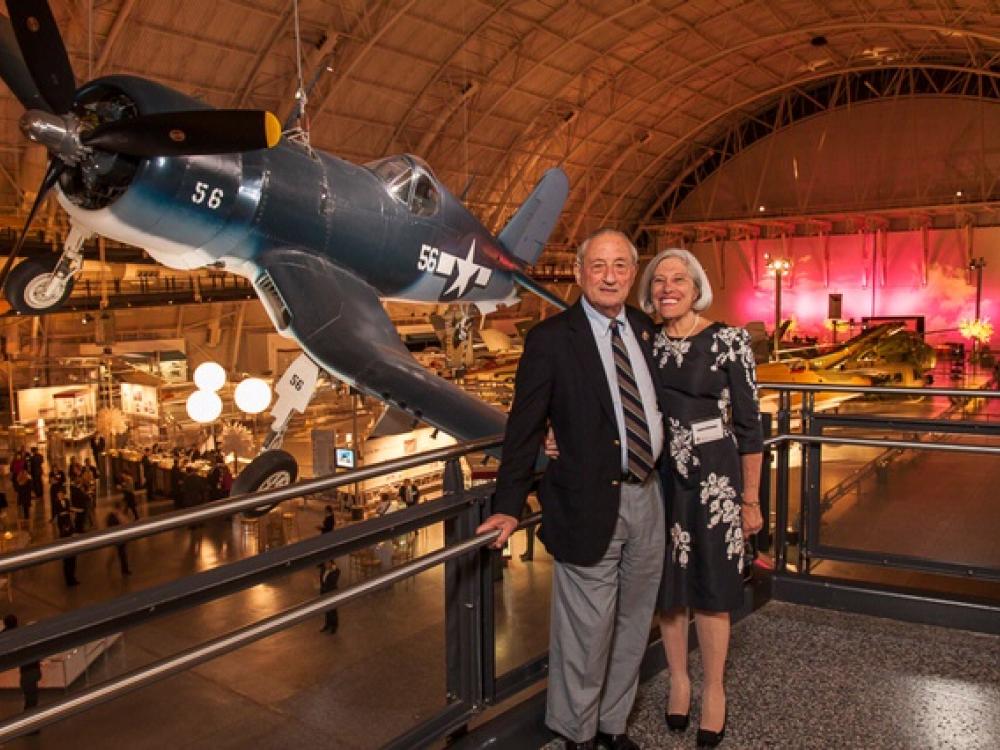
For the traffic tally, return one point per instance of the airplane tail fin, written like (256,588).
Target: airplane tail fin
(527,232)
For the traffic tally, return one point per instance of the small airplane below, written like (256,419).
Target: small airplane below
(322,240)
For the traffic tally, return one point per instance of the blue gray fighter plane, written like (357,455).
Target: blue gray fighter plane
(322,240)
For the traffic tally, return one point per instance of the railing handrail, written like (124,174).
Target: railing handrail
(880,389)
(229,506)
(224,644)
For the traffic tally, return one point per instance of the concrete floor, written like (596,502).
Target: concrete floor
(813,679)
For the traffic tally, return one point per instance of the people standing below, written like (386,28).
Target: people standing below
(127,484)
(214,480)
(192,489)
(329,577)
(226,481)
(409,493)
(17,463)
(4,474)
(75,468)
(329,522)
(97,446)
(587,372)
(711,480)
(57,481)
(30,673)
(66,525)
(36,463)
(79,501)
(22,486)
(146,466)
(116,517)
(176,483)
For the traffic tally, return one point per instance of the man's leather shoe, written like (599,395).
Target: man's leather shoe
(585,745)
(616,742)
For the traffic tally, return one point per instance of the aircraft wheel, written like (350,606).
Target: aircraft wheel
(27,286)
(269,471)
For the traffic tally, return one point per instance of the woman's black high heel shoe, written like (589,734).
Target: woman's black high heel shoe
(712,739)
(678,722)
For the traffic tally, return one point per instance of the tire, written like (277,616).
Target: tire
(269,471)
(25,282)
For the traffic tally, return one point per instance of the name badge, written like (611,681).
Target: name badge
(707,430)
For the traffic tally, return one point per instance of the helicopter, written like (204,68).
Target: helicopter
(322,240)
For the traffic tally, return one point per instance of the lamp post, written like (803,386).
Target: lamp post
(779,267)
(977,265)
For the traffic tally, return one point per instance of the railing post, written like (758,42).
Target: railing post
(763,537)
(463,603)
(781,484)
(809,467)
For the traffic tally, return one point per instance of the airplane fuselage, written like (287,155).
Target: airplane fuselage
(226,210)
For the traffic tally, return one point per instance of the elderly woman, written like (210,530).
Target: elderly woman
(710,477)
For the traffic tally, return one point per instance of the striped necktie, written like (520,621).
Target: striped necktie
(637,440)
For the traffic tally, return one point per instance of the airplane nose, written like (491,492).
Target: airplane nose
(59,134)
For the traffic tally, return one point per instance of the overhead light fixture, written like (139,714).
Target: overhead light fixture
(252,396)
(761,208)
(204,406)
(209,376)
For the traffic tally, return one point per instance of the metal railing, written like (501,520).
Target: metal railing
(471,679)
(811,438)
(472,683)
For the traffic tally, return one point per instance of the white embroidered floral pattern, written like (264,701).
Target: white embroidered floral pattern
(682,447)
(665,347)
(680,545)
(720,496)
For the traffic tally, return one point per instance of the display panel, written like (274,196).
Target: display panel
(344,458)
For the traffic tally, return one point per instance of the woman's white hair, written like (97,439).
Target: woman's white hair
(694,268)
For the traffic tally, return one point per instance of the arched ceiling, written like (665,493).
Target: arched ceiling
(625,94)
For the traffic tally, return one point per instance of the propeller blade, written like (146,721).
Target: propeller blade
(56,167)
(208,131)
(43,52)
(15,73)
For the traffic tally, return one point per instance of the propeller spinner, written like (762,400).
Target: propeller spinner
(70,140)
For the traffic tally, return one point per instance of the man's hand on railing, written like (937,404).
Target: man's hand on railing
(502,522)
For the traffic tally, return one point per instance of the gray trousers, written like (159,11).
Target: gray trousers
(601,618)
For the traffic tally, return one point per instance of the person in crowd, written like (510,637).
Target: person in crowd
(587,372)
(90,466)
(226,480)
(97,446)
(329,522)
(116,517)
(711,478)
(30,673)
(17,463)
(4,473)
(36,464)
(384,504)
(57,481)
(177,483)
(127,485)
(329,577)
(214,479)
(66,525)
(75,468)
(409,493)
(23,488)
(146,466)
(79,500)
(192,488)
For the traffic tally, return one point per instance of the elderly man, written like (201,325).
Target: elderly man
(587,372)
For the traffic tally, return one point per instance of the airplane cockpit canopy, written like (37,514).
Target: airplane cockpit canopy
(410,181)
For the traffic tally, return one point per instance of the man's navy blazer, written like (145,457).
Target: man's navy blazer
(561,380)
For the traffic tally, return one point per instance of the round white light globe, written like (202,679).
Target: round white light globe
(209,376)
(204,406)
(253,395)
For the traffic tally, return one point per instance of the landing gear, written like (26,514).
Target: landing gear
(275,468)
(40,285)
(269,471)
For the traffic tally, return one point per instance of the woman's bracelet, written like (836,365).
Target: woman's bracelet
(755,504)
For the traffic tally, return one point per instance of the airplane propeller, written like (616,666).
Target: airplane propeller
(45,63)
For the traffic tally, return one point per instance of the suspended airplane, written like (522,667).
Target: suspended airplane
(320,239)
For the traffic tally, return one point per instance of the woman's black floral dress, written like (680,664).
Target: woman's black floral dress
(707,377)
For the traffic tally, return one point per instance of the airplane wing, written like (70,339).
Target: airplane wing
(338,320)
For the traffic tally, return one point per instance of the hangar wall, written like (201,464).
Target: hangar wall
(875,278)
